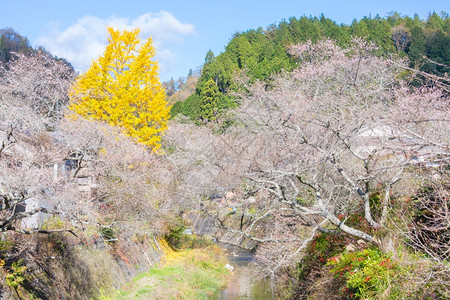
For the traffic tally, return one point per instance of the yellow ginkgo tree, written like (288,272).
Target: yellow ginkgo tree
(122,88)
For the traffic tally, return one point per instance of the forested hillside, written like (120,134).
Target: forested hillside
(261,53)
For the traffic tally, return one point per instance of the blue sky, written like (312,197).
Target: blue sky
(182,30)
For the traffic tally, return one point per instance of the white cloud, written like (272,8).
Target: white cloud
(86,40)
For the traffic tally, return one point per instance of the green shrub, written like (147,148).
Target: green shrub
(15,276)
(108,234)
(324,245)
(5,246)
(175,236)
(368,273)
(53,223)
(179,240)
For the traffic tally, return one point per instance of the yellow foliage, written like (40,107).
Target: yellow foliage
(123,89)
(102,151)
(169,253)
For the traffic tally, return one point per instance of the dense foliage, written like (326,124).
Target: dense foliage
(261,53)
(123,89)
(11,43)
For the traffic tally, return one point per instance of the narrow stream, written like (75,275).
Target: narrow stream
(242,285)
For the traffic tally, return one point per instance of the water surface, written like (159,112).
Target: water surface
(242,284)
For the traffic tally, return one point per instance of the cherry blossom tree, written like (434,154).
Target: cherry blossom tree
(341,126)
(33,94)
(39,80)
(310,147)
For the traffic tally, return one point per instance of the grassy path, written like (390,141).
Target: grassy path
(185,274)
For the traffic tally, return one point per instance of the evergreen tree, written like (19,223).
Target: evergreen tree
(11,42)
(417,48)
(434,22)
(209,102)
(438,50)
(209,57)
